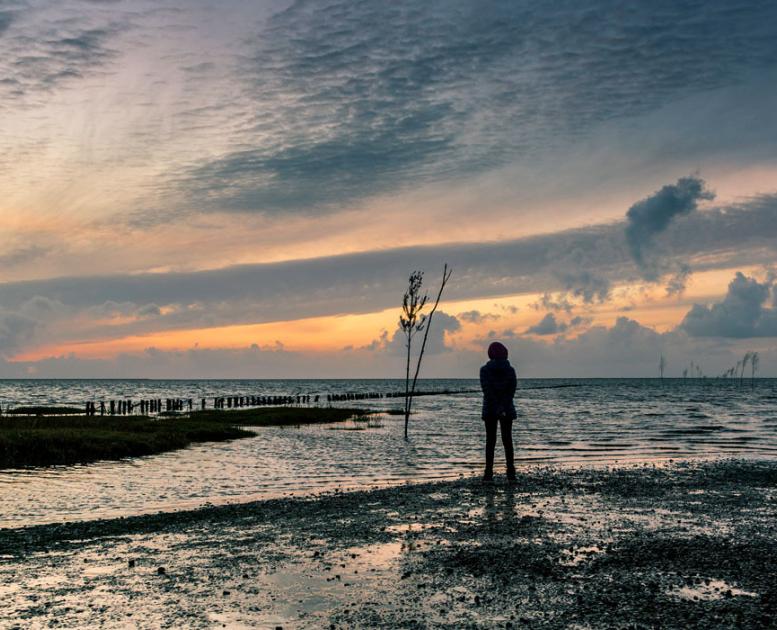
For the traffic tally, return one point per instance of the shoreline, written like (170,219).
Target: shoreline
(684,545)
(192,507)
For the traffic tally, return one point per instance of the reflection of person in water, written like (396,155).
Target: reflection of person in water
(498,381)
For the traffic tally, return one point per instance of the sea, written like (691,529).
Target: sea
(562,422)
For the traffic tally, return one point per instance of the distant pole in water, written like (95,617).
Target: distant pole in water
(745,359)
(754,360)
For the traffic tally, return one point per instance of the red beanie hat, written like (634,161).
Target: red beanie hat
(497,351)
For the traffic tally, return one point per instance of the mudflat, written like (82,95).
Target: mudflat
(680,545)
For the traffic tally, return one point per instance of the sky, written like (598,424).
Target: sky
(231,189)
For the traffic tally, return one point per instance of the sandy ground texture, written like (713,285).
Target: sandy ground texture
(685,545)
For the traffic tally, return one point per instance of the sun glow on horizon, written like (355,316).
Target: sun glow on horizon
(478,318)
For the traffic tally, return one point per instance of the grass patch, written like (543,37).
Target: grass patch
(396,412)
(44,411)
(60,440)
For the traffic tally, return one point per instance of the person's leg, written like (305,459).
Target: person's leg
(506,427)
(490,444)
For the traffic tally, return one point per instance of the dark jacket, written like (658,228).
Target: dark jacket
(497,379)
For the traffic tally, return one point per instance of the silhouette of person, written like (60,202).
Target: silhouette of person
(498,382)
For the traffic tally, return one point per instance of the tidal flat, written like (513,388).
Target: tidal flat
(682,545)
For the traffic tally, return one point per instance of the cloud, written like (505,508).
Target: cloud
(476,317)
(548,325)
(357,99)
(549,303)
(651,216)
(677,282)
(742,313)
(6,17)
(24,254)
(35,59)
(585,284)
(15,330)
(442,324)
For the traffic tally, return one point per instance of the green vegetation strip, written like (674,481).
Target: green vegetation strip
(62,440)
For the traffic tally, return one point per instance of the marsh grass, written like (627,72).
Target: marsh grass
(62,440)
(360,422)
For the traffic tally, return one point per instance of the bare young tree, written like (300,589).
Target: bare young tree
(412,321)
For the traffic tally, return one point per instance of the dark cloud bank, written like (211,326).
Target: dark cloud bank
(366,282)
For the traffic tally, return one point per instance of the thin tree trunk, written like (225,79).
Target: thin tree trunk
(407,387)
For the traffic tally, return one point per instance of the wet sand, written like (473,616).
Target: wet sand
(683,545)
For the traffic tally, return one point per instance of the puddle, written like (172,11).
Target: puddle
(578,555)
(404,528)
(378,556)
(232,621)
(306,591)
(715,589)
(96,571)
(48,581)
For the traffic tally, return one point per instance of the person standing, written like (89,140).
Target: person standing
(498,382)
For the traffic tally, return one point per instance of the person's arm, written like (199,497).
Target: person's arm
(491,388)
(513,384)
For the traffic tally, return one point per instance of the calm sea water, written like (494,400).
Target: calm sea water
(565,422)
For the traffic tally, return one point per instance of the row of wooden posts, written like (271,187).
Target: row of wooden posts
(161,405)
